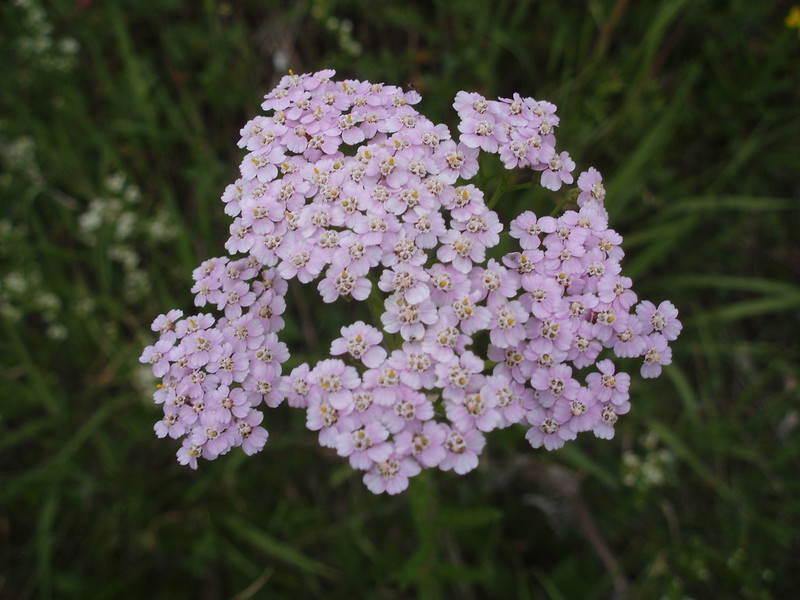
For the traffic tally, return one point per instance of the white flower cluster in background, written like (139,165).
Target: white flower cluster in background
(38,44)
(115,221)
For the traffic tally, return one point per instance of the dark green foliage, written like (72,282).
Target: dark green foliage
(689,108)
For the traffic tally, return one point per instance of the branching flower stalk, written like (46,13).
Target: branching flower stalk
(347,186)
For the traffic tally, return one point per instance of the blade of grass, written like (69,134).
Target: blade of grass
(684,388)
(44,546)
(549,586)
(50,403)
(740,203)
(695,462)
(627,182)
(275,548)
(750,308)
(52,467)
(732,282)
(583,462)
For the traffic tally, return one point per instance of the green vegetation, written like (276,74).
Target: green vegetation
(118,129)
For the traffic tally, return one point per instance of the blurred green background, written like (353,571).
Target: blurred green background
(118,129)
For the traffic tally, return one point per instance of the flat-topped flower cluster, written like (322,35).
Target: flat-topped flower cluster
(347,186)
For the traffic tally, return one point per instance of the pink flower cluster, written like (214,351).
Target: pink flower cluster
(345,184)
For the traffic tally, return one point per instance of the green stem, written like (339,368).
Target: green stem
(392,341)
(423,511)
(523,186)
(501,189)
(559,207)
(374,301)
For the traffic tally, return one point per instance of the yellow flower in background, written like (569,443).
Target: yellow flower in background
(792,20)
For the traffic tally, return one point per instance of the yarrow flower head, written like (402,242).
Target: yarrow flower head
(345,186)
